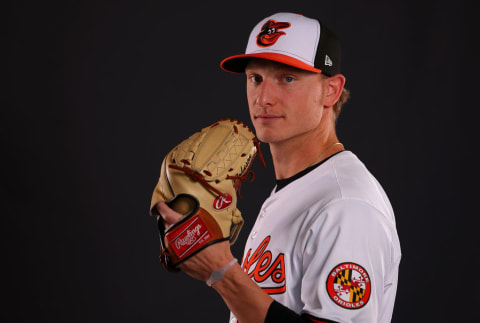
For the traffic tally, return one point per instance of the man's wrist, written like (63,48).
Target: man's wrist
(218,274)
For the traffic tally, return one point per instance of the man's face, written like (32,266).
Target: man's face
(285,103)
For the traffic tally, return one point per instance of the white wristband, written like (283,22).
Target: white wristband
(219,273)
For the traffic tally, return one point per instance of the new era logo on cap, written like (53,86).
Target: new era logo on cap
(290,39)
(328,61)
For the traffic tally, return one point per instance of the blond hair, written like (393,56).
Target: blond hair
(337,107)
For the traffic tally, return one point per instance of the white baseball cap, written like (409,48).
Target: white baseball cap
(291,39)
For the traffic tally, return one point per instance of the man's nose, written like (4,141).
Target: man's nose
(266,95)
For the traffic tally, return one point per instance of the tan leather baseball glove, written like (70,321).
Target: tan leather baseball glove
(200,178)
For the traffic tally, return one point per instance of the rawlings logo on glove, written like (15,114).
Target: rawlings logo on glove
(222,201)
(200,179)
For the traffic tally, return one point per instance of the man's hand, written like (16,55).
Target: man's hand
(169,216)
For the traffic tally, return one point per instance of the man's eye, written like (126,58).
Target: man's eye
(289,79)
(256,79)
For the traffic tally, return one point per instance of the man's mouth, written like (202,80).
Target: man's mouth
(267,117)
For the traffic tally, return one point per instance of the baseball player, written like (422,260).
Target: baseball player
(324,247)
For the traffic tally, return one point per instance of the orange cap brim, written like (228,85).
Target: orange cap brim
(237,63)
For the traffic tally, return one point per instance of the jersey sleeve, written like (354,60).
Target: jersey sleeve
(348,263)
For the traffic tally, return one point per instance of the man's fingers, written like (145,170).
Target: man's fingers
(169,216)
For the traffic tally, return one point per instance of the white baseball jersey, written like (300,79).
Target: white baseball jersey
(326,244)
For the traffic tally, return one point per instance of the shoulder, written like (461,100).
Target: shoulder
(343,177)
(348,197)
(341,190)
(354,184)
(353,178)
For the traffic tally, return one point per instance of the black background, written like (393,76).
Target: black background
(98,92)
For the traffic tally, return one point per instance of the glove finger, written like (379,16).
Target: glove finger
(168,215)
(237,217)
(237,222)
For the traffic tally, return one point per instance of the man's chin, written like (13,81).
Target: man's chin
(266,137)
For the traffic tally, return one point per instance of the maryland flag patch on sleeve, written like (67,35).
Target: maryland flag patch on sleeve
(349,285)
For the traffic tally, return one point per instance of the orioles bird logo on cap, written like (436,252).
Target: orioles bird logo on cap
(270,32)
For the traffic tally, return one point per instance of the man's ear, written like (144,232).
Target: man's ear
(334,88)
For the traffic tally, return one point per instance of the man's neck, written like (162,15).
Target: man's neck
(290,158)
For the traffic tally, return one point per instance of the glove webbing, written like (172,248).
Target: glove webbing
(255,140)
